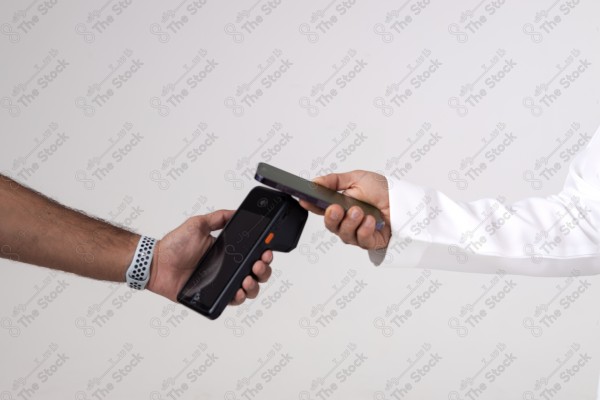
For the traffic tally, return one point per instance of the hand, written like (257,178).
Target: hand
(177,254)
(353,227)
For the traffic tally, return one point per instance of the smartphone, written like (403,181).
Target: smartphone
(266,219)
(318,195)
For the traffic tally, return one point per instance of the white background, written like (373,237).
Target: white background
(101,329)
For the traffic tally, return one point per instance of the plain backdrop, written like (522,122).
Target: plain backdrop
(144,113)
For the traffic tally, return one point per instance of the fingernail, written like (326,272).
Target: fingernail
(334,215)
(354,214)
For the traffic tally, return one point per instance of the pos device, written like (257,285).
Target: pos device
(266,219)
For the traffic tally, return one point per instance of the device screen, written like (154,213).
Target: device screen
(224,258)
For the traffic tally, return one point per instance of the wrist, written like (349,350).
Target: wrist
(153,280)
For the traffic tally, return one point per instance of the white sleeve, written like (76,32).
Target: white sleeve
(557,235)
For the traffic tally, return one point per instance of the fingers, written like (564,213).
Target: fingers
(333,217)
(349,225)
(311,207)
(262,271)
(353,227)
(365,234)
(239,298)
(248,290)
(217,219)
(267,257)
(336,182)
(250,287)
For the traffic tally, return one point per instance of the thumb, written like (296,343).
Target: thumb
(217,219)
(338,182)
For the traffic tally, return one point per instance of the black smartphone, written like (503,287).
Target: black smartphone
(319,195)
(266,219)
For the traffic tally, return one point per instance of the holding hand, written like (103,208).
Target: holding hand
(353,227)
(39,231)
(178,253)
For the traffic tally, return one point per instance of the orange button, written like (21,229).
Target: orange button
(269,238)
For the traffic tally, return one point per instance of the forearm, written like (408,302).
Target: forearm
(37,230)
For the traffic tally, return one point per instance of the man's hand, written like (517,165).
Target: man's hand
(178,253)
(353,227)
(38,230)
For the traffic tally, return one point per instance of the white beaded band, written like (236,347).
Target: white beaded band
(138,273)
